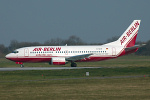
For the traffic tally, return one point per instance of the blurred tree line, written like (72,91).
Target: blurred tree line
(72,40)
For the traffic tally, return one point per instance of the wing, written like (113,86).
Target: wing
(78,57)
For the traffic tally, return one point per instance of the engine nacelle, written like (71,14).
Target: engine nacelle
(58,61)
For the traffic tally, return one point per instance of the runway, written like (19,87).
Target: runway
(43,68)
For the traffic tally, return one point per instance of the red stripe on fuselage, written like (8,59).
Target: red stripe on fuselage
(29,59)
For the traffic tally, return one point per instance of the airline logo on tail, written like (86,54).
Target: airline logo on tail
(129,32)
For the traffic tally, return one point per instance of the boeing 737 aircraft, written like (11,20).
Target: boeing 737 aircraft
(60,55)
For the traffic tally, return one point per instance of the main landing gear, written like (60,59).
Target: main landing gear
(73,64)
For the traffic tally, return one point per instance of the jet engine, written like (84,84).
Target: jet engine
(58,61)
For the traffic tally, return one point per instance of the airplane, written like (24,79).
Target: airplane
(60,55)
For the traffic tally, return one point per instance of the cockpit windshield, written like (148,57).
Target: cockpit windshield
(15,51)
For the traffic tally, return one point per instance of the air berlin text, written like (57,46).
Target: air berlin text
(130,31)
(47,49)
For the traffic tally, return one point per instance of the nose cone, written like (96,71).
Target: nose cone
(11,56)
(7,56)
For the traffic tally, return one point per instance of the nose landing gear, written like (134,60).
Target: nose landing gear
(21,65)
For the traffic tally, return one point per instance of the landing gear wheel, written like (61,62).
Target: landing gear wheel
(21,65)
(73,64)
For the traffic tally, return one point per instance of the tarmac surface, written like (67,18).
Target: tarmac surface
(43,68)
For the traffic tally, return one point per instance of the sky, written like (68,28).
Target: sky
(94,21)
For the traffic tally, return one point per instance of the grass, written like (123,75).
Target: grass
(105,89)
(45,85)
(54,74)
(33,85)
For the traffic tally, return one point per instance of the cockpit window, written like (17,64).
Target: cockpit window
(15,51)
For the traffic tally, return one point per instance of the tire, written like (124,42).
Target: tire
(21,66)
(73,65)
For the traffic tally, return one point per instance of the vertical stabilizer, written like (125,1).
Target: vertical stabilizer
(128,38)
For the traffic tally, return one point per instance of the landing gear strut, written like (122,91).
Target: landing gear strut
(21,65)
(73,64)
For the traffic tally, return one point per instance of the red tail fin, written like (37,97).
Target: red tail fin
(131,43)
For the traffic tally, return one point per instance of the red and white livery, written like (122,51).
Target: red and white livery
(60,55)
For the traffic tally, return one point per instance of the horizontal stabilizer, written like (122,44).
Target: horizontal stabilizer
(134,47)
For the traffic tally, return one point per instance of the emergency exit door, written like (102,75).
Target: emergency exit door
(26,52)
(113,51)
